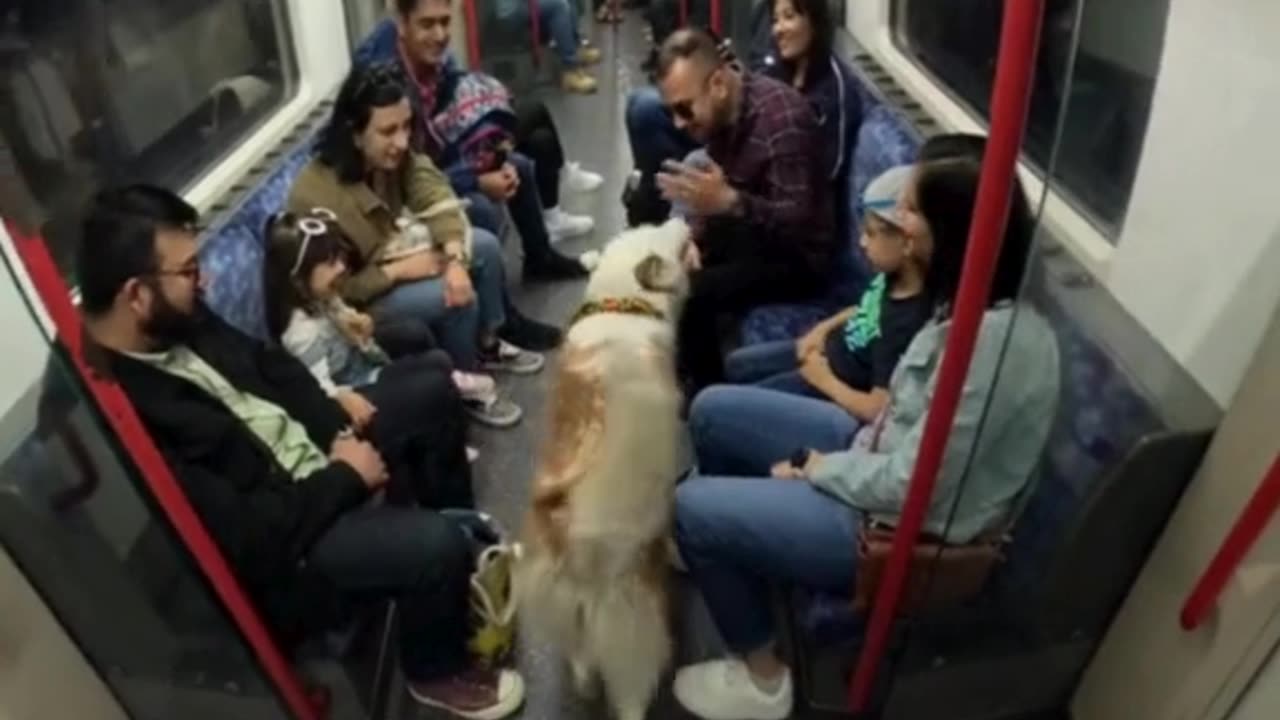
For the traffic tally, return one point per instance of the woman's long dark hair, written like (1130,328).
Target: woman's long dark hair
(365,89)
(818,13)
(946,193)
(285,288)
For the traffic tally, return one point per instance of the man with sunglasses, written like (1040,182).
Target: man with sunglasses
(311,516)
(760,207)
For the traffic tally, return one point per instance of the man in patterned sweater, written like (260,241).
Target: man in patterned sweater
(760,206)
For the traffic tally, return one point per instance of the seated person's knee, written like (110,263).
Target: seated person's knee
(484,213)
(644,110)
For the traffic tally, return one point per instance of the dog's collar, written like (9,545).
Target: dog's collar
(620,306)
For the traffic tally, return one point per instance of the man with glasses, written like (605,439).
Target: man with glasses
(760,206)
(268,460)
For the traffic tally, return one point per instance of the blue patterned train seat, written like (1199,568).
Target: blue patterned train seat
(232,251)
(885,139)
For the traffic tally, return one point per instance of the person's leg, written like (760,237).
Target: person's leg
(486,214)
(537,138)
(753,363)
(455,328)
(739,535)
(420,429)
(561,26)
(792,383)
(744,430)
(541,262)
(489,280)
(425,561)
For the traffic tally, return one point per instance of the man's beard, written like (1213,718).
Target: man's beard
(168,325)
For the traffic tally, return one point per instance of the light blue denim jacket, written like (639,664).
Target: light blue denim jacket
(989,460)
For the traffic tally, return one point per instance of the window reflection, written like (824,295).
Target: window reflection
(1108,100)
(100,91)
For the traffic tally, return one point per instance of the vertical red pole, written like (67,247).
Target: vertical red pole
(684,12)
(119,412)
(1010,97)
(472,18)
(1244,533)
(717,19)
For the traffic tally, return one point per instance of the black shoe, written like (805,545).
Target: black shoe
(553,266)
(530,334)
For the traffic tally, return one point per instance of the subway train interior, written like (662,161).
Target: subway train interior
(1139,577)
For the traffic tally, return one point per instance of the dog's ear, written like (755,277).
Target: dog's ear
(655,274)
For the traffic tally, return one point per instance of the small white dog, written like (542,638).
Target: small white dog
(593,572)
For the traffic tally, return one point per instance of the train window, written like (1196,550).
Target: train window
(362,16)
(93,92)
(1107,88)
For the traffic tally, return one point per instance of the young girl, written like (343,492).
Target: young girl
(849,357)
(305,262)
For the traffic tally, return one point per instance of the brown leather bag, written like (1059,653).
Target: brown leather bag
(939,575)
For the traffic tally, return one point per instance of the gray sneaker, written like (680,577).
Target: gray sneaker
(494,411)
(505,357)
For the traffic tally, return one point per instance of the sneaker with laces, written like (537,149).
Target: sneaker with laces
(579,180)
(528,333)
(724,690)
(472,454)
(578,81)
(494,411)
(473,694)
(562,226)
(502,356)
(589,55)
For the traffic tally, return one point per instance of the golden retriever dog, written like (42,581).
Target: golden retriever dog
(593,572)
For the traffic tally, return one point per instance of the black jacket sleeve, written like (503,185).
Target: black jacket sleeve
(266,526)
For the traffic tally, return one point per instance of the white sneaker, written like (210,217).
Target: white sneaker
(473,386)
(472,454)
(562,226)
(589,260)
(724,690)
(578,180)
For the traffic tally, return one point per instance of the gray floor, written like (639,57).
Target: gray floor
(593,133)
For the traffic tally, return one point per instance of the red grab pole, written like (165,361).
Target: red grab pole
(535,32)
(119,412)
(684,12)
(1010,97)
(1253,520)
(473,34)
(717,18)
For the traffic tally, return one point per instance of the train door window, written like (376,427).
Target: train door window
(85,534)
(102,91)
(362,16)
(1107,90)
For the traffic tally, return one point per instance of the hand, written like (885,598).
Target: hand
(705,190)
(692,258)
(418,266)
(810,343)
(816,369)
(363,458)
(360,325)
(357,407)
(458,290)
(784,470)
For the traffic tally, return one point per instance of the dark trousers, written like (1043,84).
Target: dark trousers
(729,288)
(537,138)
(403,548)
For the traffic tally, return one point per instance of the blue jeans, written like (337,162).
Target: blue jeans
(653,135)
(557,21)
(458,329)
(739,530)
(420,558)
(770,365)
(486,214)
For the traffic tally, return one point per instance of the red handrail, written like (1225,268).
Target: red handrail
(684,12)
(1253,520)
(119,412)
(1010,97)
(717,19)
(473,33)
